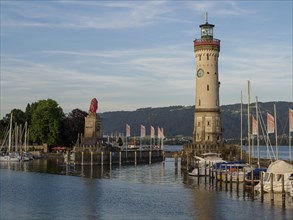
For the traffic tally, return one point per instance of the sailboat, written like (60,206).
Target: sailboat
(9,155)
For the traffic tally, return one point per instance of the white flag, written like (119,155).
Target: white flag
(142,131)
(127,130)
(254,126)
(270,124)
(152,132)
(291,119)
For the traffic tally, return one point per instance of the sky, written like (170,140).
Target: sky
(138,54)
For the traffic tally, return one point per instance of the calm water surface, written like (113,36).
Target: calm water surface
(46,189)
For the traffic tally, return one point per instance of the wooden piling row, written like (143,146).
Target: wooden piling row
(92,157)
(218,176)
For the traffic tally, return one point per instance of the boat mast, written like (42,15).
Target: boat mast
(257,133)
(241,138)
(276,133)
(248,121)
(25,136)
(10,134)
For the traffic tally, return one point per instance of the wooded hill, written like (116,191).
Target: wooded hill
(178,120)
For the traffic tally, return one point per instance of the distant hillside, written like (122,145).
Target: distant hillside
(178,120)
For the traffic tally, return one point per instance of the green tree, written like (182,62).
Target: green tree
(46,120)
(120,142)
(72,125)
(18,116)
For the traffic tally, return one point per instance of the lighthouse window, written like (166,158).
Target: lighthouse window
(199,102)
(198,124)
(199,57)
(208,123)
(208,72)
(207,57)
(208,88)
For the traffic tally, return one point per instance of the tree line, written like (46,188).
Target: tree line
(47,123)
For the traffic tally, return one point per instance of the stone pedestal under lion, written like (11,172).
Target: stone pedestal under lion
(92,128)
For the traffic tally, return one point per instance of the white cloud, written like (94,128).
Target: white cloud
(93,15)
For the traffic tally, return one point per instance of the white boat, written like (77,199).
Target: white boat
(274,175)
(26,156)
(10,157)
(203,164)
(234,171)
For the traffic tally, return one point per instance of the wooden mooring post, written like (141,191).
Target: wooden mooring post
(150,157)
(226,178)
(283,192)
(252,184)
(176,160)
(198,168)
(82,154)
(102,158)
(205,168)
(261,186)
(272,186)
(120,157)
(231,180)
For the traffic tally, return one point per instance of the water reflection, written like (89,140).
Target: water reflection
(159,190)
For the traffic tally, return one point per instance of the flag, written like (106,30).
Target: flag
(127,130)
(270,123)
(291,120)
(142,131)
(152,132)
(254,126)
(159,133)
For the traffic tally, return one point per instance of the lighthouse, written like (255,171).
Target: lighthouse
(207,132)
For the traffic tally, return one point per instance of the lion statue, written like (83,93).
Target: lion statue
(93,107)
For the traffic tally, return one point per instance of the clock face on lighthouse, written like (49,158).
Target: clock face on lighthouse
(200,73)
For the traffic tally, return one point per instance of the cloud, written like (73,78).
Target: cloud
(83,14)
(109,15)
(132,76)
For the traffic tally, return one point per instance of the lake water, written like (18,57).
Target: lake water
(46,189)
(283,151)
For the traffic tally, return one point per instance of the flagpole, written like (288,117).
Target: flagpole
(290,159)
(267,138)
(126,145)
(289,139)
(276,133)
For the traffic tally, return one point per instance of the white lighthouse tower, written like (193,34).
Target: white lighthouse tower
(207,132)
